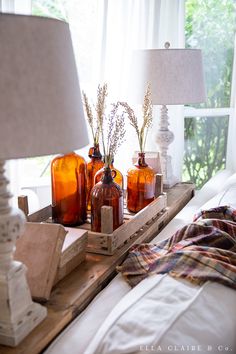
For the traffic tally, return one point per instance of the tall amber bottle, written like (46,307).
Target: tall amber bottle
(118,177)
(140,185)
(69,181)
(93,167)
(106,192)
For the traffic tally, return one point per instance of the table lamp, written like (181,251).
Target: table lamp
(41,113)
(176,77)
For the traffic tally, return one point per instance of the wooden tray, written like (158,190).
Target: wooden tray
(107,243)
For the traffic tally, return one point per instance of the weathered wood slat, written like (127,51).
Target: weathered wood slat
(67,268)
(106,219)
(23,204)
(159,185)
(41,215)
(128,229)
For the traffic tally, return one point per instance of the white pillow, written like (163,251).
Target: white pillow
(215,184)
(163,314)
(231,181)
(226,197)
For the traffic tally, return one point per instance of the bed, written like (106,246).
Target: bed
(161,314)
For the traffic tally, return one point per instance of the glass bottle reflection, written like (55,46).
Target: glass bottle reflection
(140,185)
(119,179)
(68,174)
(93,166)
(106,192)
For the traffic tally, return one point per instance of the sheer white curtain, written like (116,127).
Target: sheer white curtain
(231,159)
(139,24)
(16,6)
(126,25)
(7,5)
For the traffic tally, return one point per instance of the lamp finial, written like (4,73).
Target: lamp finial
(167,45)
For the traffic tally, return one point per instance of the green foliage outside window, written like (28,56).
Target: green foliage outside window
(205,148)
(50,8)
(210,25)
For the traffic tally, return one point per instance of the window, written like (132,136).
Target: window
(210,25)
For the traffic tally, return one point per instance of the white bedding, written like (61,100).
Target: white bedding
(167,315)
(207,312)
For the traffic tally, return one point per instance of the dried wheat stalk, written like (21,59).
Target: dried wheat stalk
(97,122)
(146,115)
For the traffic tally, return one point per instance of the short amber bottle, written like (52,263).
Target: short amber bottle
(69,181)
(119,179)
(140,185)
(93,166)
(106,192)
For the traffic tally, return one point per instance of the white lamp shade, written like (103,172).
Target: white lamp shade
(40,100)
(175,75)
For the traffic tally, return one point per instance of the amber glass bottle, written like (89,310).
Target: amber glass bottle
(106,192)
(69,182)
(119,179)
(93,167)
(140,185)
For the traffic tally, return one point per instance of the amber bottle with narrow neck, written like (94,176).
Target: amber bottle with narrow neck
(118,177)
(93,166)
(69,180)
(140,185)
(106,192)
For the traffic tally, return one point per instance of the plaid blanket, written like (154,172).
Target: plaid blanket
(200,251)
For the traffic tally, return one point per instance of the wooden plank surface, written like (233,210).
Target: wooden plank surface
(73,293)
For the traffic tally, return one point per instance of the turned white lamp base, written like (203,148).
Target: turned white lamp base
(164,138)
(18,313)
(170,180)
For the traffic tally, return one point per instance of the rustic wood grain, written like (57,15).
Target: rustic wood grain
(73,252)
(106,219)
(41,215)
(139,219)
(73,293)
(75,242)
(23,204)
(69,266)
(39,248)
(159,185)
